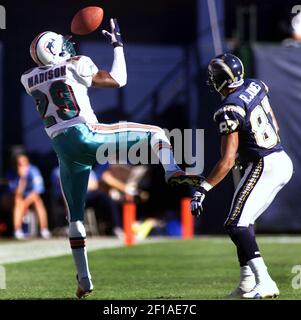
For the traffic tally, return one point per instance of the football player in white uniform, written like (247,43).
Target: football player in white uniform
(59,87)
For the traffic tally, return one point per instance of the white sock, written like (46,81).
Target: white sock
(259,269)
(247,279)
(81,262)
(77,236)
(163,150)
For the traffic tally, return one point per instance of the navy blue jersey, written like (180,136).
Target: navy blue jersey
(248,111)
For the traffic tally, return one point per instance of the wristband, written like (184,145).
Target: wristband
(118,71)
(206,185)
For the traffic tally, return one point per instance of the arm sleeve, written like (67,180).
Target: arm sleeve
(85,70)
(118,71)
(229,119)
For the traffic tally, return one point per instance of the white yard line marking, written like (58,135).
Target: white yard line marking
(18,251)
(38,249)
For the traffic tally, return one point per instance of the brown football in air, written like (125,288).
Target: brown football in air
(87,20)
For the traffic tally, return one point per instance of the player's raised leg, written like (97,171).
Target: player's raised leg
(163,149)
(74,181)
(125,135)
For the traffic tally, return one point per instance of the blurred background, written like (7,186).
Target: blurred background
(168,45)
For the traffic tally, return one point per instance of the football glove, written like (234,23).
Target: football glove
(196,206)
(114,37)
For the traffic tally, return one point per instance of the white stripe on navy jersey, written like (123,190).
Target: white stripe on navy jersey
(234,108)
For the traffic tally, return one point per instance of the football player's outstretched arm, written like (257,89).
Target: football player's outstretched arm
(229,147)
(117,77)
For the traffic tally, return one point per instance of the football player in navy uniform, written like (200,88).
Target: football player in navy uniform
(248,129)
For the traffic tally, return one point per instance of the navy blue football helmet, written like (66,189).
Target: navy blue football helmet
(225,70)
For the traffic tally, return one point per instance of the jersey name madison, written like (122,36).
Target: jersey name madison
(46,76)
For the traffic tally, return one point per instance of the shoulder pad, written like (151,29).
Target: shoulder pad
(231,108)
(28,71)
(266,88)
(76,58)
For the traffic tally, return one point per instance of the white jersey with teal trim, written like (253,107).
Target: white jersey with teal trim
(61,93)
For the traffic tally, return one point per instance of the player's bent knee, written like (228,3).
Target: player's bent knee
(234,231)
(76,229)
(229,229)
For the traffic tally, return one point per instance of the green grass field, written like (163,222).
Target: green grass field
(203,268)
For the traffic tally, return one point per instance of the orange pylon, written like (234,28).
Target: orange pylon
(129,218)
(187,220)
